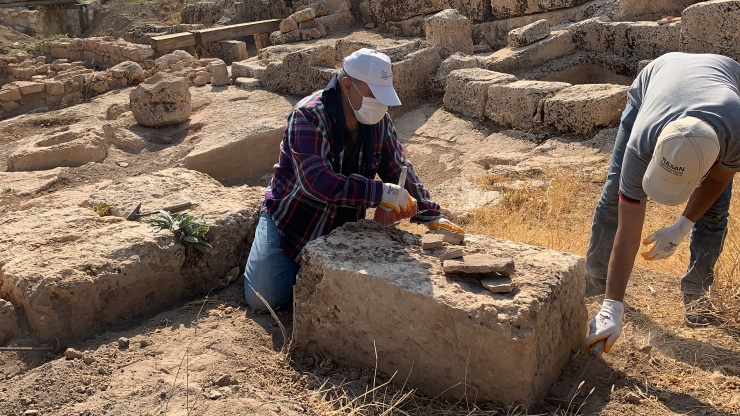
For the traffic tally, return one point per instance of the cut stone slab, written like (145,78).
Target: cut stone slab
(162,100)
(288,25)
(516,104)
(68,148)
(432,241)
(480,264)
(219,72)
(498,284)
(74,273)
(386,296)
(450,237)
(222,157)
(453,62)
(449,32)
(502,9)
(467,90)
(529,34)
(584,109)
(247,83)
(711,27)
(29,183)
(451,253)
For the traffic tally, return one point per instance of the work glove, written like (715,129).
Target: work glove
(606,325)
(396,198)
(446,224)
(667,239)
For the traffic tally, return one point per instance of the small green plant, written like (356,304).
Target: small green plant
(102,209)
(185,227)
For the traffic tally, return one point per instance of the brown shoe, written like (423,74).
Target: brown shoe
(699,311)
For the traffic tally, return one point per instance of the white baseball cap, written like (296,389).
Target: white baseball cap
(686,150)
(374,69)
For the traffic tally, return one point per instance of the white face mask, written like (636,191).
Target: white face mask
(371,111)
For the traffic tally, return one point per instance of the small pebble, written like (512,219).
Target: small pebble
(632,397)
(72,354)
(214,394)
(123,343)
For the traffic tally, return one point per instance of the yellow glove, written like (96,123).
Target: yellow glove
(446,224)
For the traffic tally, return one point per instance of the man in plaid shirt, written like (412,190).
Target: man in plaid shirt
(334,144)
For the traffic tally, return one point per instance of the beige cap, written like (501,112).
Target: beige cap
(686,150)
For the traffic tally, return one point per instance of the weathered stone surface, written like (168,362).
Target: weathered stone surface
(516,104)
(8,321)
(303,15)
(219,73)
(75,273)
(226,50)
(279,38)
(558,44)
(498,284)
(453,62)
(383,11)
(450,253)
(432,241)
(256,10)
(467,90)
(374,280)
(309,34)
(480,264)
(310,24)
(131,71)
(449,32)
(502,9)
(222,157)
(30,87)
(29,183)
(69,148)
(320,8)
(54,88)
(711,27)
(450,237)
(247,83)
(167,60)
(459,197)
(583,109)
(301,72)
(642,40)
(161,101)
(205,12)
(72,354)
(9,93)
(412,27)
(288,25)
(529,34)
(337,21)
(414,64)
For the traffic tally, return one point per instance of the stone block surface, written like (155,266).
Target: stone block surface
(529,34)
(453,62)
(365,289)
(642,40)
(558,44)
(480,264)
(288,25)
(321,8)
(516,104)
(449,32)
(502,9)
(711,27)
(467,90)
(383,11)
(583,109)
(68,148)
(336,21)
(75,273)
(303,15)
(432,241)
(162,100)
(219,72)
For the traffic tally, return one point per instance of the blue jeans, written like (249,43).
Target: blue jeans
(707,237)
(270,271)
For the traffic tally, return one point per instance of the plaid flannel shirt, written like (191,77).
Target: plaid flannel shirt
(306,189)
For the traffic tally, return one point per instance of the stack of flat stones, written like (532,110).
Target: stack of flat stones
(494,272)
(302,24)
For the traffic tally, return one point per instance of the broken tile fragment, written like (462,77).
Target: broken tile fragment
(430,241)
(480,263)
(501,284)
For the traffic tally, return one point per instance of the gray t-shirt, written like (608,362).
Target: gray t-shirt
(674,86)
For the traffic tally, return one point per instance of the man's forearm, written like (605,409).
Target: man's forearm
(706,194)
(626,245)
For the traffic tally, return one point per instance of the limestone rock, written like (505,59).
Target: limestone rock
(69,148)
(162,100)
(9,92)
(29,183)
(453,62)
(711,27)
(8,321)
(205,12)
(288,25)
(498,284)
(480,264)
(516,104)
(75,273)
(54,88)
(303,15)
(528,34)
(450,253)
(30,87)
(467,90)
(383,11)
(256,10)
(583,109)
(321,8)
(337,21)
(247,83)
(449,32)
(130,71)
(509,347)
(278,38)
(167,60)
(310,24)
(72,354)
(219,73)
(450,237)
(431,241)
(502,9)
(458,197)
(228,51)
(123,343)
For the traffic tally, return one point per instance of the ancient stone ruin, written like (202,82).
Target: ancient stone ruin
(195,111)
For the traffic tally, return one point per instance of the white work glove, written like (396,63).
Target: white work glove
(606,325)
(396,198)
(667,239)
(446,224)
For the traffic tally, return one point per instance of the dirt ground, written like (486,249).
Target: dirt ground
(118,16)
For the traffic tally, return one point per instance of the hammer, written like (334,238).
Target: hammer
(135,213)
